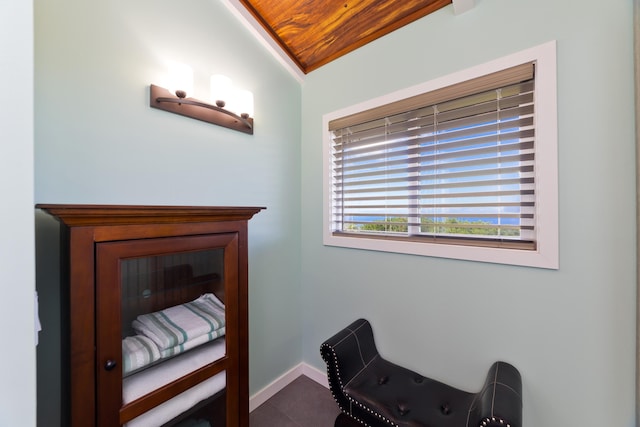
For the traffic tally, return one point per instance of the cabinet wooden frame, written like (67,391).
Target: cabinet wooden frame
(83,229)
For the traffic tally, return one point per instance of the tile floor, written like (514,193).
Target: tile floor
(303,403)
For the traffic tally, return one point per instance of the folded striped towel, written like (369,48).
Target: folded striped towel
(188,345)
(176,325)
(138,351)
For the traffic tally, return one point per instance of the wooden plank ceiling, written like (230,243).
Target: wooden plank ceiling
(315,32)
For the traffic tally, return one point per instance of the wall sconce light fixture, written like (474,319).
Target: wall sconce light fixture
(176,100)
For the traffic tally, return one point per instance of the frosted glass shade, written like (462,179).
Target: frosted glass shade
(244,102)
(180,79)
(221,89)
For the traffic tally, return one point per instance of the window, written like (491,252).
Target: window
(462,167)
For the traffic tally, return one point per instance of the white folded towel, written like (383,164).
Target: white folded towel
(138,351)
(192,343)
(176,325)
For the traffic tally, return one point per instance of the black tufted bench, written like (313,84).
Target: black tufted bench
(371,391)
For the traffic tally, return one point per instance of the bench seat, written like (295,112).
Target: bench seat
(372,391)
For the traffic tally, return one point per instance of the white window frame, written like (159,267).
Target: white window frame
(546,254)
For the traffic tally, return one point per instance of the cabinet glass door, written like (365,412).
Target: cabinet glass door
(162,327)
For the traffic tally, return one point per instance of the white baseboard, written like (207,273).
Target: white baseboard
(285,379)
(315,374)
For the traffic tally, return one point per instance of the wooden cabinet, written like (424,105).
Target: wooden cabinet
(128,264)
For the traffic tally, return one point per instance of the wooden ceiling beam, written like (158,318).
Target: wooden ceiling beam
(314,33)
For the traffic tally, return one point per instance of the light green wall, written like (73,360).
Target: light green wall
(571,332)
(97,140)
(17,277)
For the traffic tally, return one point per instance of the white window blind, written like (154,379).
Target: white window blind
(455,165)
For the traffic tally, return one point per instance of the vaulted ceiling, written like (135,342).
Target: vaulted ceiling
(315,32)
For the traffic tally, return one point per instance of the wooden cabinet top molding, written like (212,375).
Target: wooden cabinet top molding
(89,215)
